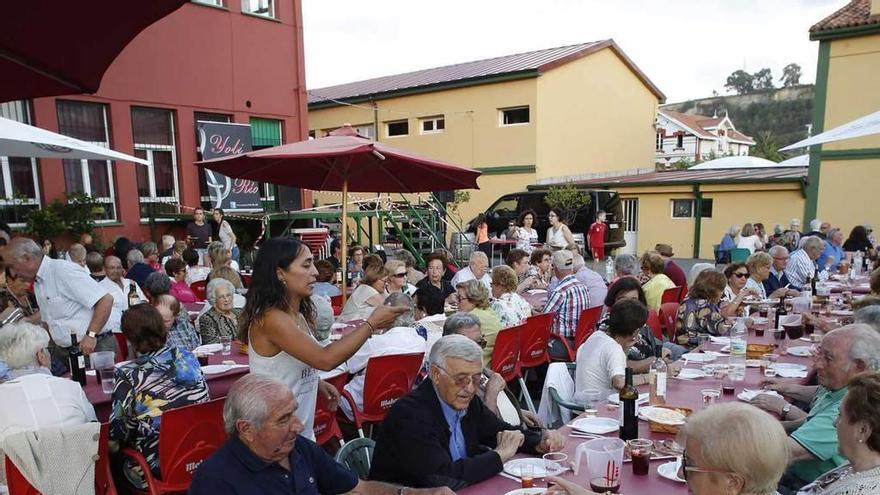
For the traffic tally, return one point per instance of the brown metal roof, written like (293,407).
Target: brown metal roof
(856,13)
(472,73)
(688,177)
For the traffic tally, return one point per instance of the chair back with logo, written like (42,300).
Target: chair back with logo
(187,437)
(505,354)
(533,340)
(586,325)
(387,379)
(325,426)
(200,289)
(668,313)
(655,324)
(673,294)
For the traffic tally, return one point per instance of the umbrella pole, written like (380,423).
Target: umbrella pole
(344,229)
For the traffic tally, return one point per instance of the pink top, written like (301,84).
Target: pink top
(182,292)
(482,233)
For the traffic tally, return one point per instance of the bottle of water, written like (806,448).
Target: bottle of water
(609,268)
(738,335)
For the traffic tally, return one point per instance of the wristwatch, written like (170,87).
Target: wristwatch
(785,410)
(92,334)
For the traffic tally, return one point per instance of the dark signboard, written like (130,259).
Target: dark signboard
(218,139)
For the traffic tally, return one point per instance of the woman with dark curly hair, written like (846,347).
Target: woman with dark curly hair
(277,325)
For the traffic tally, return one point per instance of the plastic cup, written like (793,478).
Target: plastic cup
(640,452)
(226,342)
(107,376)
(710,396)
(203,358)
(592,397)
(527,475)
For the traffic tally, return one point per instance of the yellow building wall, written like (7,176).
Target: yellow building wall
(594,115)
(848,188)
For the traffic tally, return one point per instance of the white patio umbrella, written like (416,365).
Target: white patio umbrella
(863,126)
(729,162)
(17,139)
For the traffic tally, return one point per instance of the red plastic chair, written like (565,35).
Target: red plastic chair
(17,484)
(121,347)
(200,289)
(387,379)
(325,425)
(533,340)
(673,294)
(505,353)
(188,436)
(245,280)
(336,302)
(668,314)
(655,324)
(586,326)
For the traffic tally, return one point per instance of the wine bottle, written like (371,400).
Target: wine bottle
(77,362)
(133,298)
(629,396)
(813,282)
(657,376)
(780,312)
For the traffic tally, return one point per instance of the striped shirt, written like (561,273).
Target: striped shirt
(568,300)
(799,268)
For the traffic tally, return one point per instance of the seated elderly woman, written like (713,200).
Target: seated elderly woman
(158,379)
(369,294)
(401,338)
(325,285)
(509,306)
(219,255)
(729,449)
(539,270)
(33,399)
(736,290)
(518,260)
(181,331)
(699,312)
(157,283)
(696,270)
(652,267)
(238,300)
(601,360)
(858,438)
(176,270)
(758,266)
(473,298)
(397,278)
(222,319)
(728,242)
(626,265)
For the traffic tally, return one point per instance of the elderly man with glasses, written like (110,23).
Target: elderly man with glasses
(802,264)
(441,434)
(777,279)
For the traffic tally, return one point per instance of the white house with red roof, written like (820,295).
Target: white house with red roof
(689,137)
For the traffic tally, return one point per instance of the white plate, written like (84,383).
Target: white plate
(537,291)
(514,467)
(215,369)
(595,425)
(801,350)
(648,414)
(748,395)
(669,470)
(527,491)
(788,366)
(699,357)
(615,399)
(725,349)
(691,374)
(209,348)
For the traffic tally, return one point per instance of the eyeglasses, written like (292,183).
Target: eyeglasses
(780,258)
(686,467)
(741,275)
(223,296)
(462,381)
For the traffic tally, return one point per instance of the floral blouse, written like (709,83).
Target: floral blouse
(146,387)
(697,316)
(511,309)
(842,481)
(213,325)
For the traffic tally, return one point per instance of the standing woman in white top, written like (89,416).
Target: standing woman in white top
(278,320)
(227,236)
(558,235)
(526,235)
(748,239)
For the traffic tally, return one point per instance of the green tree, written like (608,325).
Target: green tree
(766,146)
(461,196)
(791,75)
(763,79)
(741,82)
(569,199)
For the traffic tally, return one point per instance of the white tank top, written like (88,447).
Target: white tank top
(300,377)
(556,238)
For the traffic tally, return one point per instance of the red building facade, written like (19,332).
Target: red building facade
(229,60)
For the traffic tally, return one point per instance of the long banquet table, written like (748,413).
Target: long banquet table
(680,393)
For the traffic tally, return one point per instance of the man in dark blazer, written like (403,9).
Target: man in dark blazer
(440,434)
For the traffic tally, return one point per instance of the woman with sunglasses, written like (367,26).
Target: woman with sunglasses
(729,449)
(397,278)
(731,299)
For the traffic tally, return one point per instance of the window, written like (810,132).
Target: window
(514,116)
(659,141)
(205,197)
(19,187)
(397,128)
(433,125)
(88,121)
(679,141)
(215,3)
(684,208)
(504,207)
(366,130)
(259,7)
(265,133)
(153,133)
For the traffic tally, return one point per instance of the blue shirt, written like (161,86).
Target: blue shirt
(457,447)
(831,251)
(235,469)
(775,281)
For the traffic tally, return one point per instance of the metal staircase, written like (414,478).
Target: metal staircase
(421,227)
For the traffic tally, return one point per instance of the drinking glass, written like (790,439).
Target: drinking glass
(702,342)
(640,452)
(527,475)
(710,396)
(107,376)
(226,342)
(592,397)
(767,361)
(554,461)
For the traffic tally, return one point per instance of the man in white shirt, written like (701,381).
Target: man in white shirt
(117,286)
(478,268)
(802,263)
(77,255)
(70,300)
(400,339)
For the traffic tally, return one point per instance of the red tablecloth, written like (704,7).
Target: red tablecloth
(218,385)
(684,393)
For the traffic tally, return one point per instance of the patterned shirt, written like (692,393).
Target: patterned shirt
(183,333)
(568,300)
(697,316)
(213,325)
(511,309)
(799,268)
(146,387)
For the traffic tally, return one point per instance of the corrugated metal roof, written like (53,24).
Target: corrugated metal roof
(540,60)
(685,177)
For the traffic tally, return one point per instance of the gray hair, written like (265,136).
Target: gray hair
(248,400)
(811,242)
(454,346)
(134,256)
(167,241)
(406,257)
(149,248)
(733,230)
(815,224)
(20,342)
(833,232)
(157,283)
(869,315)
(697,269)
(77,253)
(460,320)
(95,261)
(323,317)
(864,346)
(777,251)
(407,318)
(22,246)
(578,263)
(626,264)
(478,255)
(214,284)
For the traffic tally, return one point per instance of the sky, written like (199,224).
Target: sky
(686,47)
